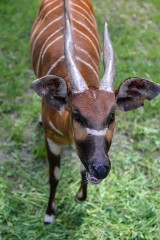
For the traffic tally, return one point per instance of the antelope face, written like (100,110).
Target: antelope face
(93,119)
(92,113)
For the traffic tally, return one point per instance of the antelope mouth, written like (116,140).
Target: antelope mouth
(93,180)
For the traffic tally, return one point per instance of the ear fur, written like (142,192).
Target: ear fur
(133,91)
(53,89)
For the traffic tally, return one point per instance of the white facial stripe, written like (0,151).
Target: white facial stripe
(54,128)
(54,148)
(96,132)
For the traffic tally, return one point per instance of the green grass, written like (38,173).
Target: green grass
(124,206)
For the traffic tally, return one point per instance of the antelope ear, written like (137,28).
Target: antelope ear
(53,89)
(133,91)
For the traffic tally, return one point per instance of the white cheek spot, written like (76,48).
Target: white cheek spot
(54,148)
(96,132)
(57,173)
(80,194)
(49,218)
(54,128)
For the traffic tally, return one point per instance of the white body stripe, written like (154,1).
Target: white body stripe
(88,29)
(55,64)
(43,47)
(91,131)
(47,1)
(55,40)
(82,9)
(88,65)
(54,148)
(88,55)
(87,19)
(88,9)
(40,15)
(54,128)
(44,29)
(88,39)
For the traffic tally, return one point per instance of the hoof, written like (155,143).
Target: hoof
(49,219)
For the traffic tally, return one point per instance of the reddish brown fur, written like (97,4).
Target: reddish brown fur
(94,99)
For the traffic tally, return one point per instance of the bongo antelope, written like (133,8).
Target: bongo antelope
(76,107)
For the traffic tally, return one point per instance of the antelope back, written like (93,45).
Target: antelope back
(47,40)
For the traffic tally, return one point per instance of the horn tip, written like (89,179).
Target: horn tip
(106,26)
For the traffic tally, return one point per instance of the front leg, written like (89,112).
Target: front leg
(53,153)
(82,192)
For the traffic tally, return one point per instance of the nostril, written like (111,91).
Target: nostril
(101,170)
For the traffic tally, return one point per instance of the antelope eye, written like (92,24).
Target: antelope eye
(76,117)
(111,118)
